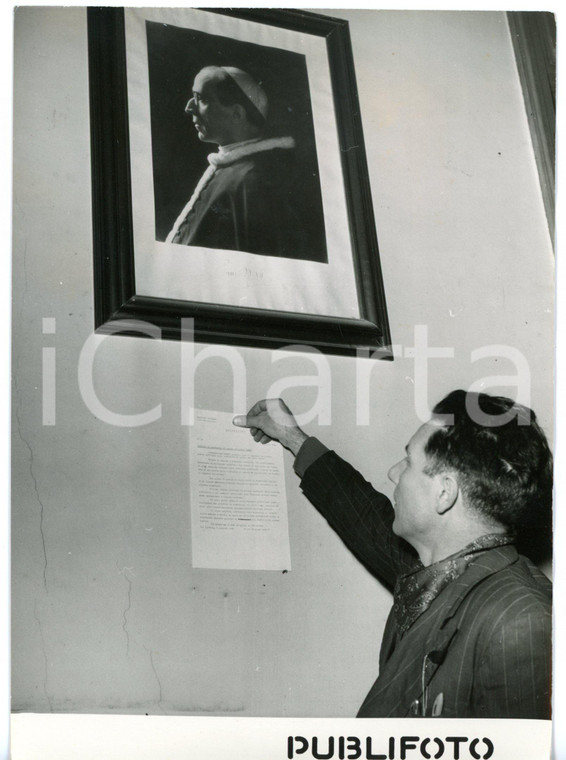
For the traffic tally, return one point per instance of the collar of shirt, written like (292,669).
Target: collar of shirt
(415,591)
(225,149)
(229,154)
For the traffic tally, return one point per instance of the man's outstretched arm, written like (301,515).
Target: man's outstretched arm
(360,515)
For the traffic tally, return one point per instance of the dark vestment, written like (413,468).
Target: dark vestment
(482,649)
(251,199)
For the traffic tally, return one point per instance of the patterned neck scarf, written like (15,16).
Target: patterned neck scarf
(415,591)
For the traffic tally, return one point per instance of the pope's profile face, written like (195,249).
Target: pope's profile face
(211,119)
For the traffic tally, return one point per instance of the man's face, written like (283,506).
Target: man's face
(212,120)
(415,492)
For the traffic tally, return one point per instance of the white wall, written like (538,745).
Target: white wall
(108,614)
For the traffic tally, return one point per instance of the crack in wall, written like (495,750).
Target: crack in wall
(39,500)
(45,663)
(125,614)
(124,572)
(160,700)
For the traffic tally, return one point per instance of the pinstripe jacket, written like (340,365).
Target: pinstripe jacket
(481,650)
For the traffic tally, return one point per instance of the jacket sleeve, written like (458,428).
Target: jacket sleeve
(359,514)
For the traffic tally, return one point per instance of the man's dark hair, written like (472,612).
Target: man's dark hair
(229,94)
(500,454)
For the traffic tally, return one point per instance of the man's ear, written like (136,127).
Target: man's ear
(448,492)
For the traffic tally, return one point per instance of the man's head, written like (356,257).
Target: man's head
(227,105)
(499,452)
(492,455)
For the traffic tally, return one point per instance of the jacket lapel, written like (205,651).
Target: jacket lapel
(437,645)
(406,672)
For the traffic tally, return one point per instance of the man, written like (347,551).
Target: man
(246,199)
(469,635)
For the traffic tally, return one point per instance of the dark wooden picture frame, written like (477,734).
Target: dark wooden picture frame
(533,34)
(115,297)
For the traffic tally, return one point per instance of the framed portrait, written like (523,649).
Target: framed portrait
(230,183)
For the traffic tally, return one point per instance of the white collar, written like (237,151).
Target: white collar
(228,154)
(222,149)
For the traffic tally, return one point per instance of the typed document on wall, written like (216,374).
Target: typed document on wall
(238,500)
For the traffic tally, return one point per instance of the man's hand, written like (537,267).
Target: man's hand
(272,420)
